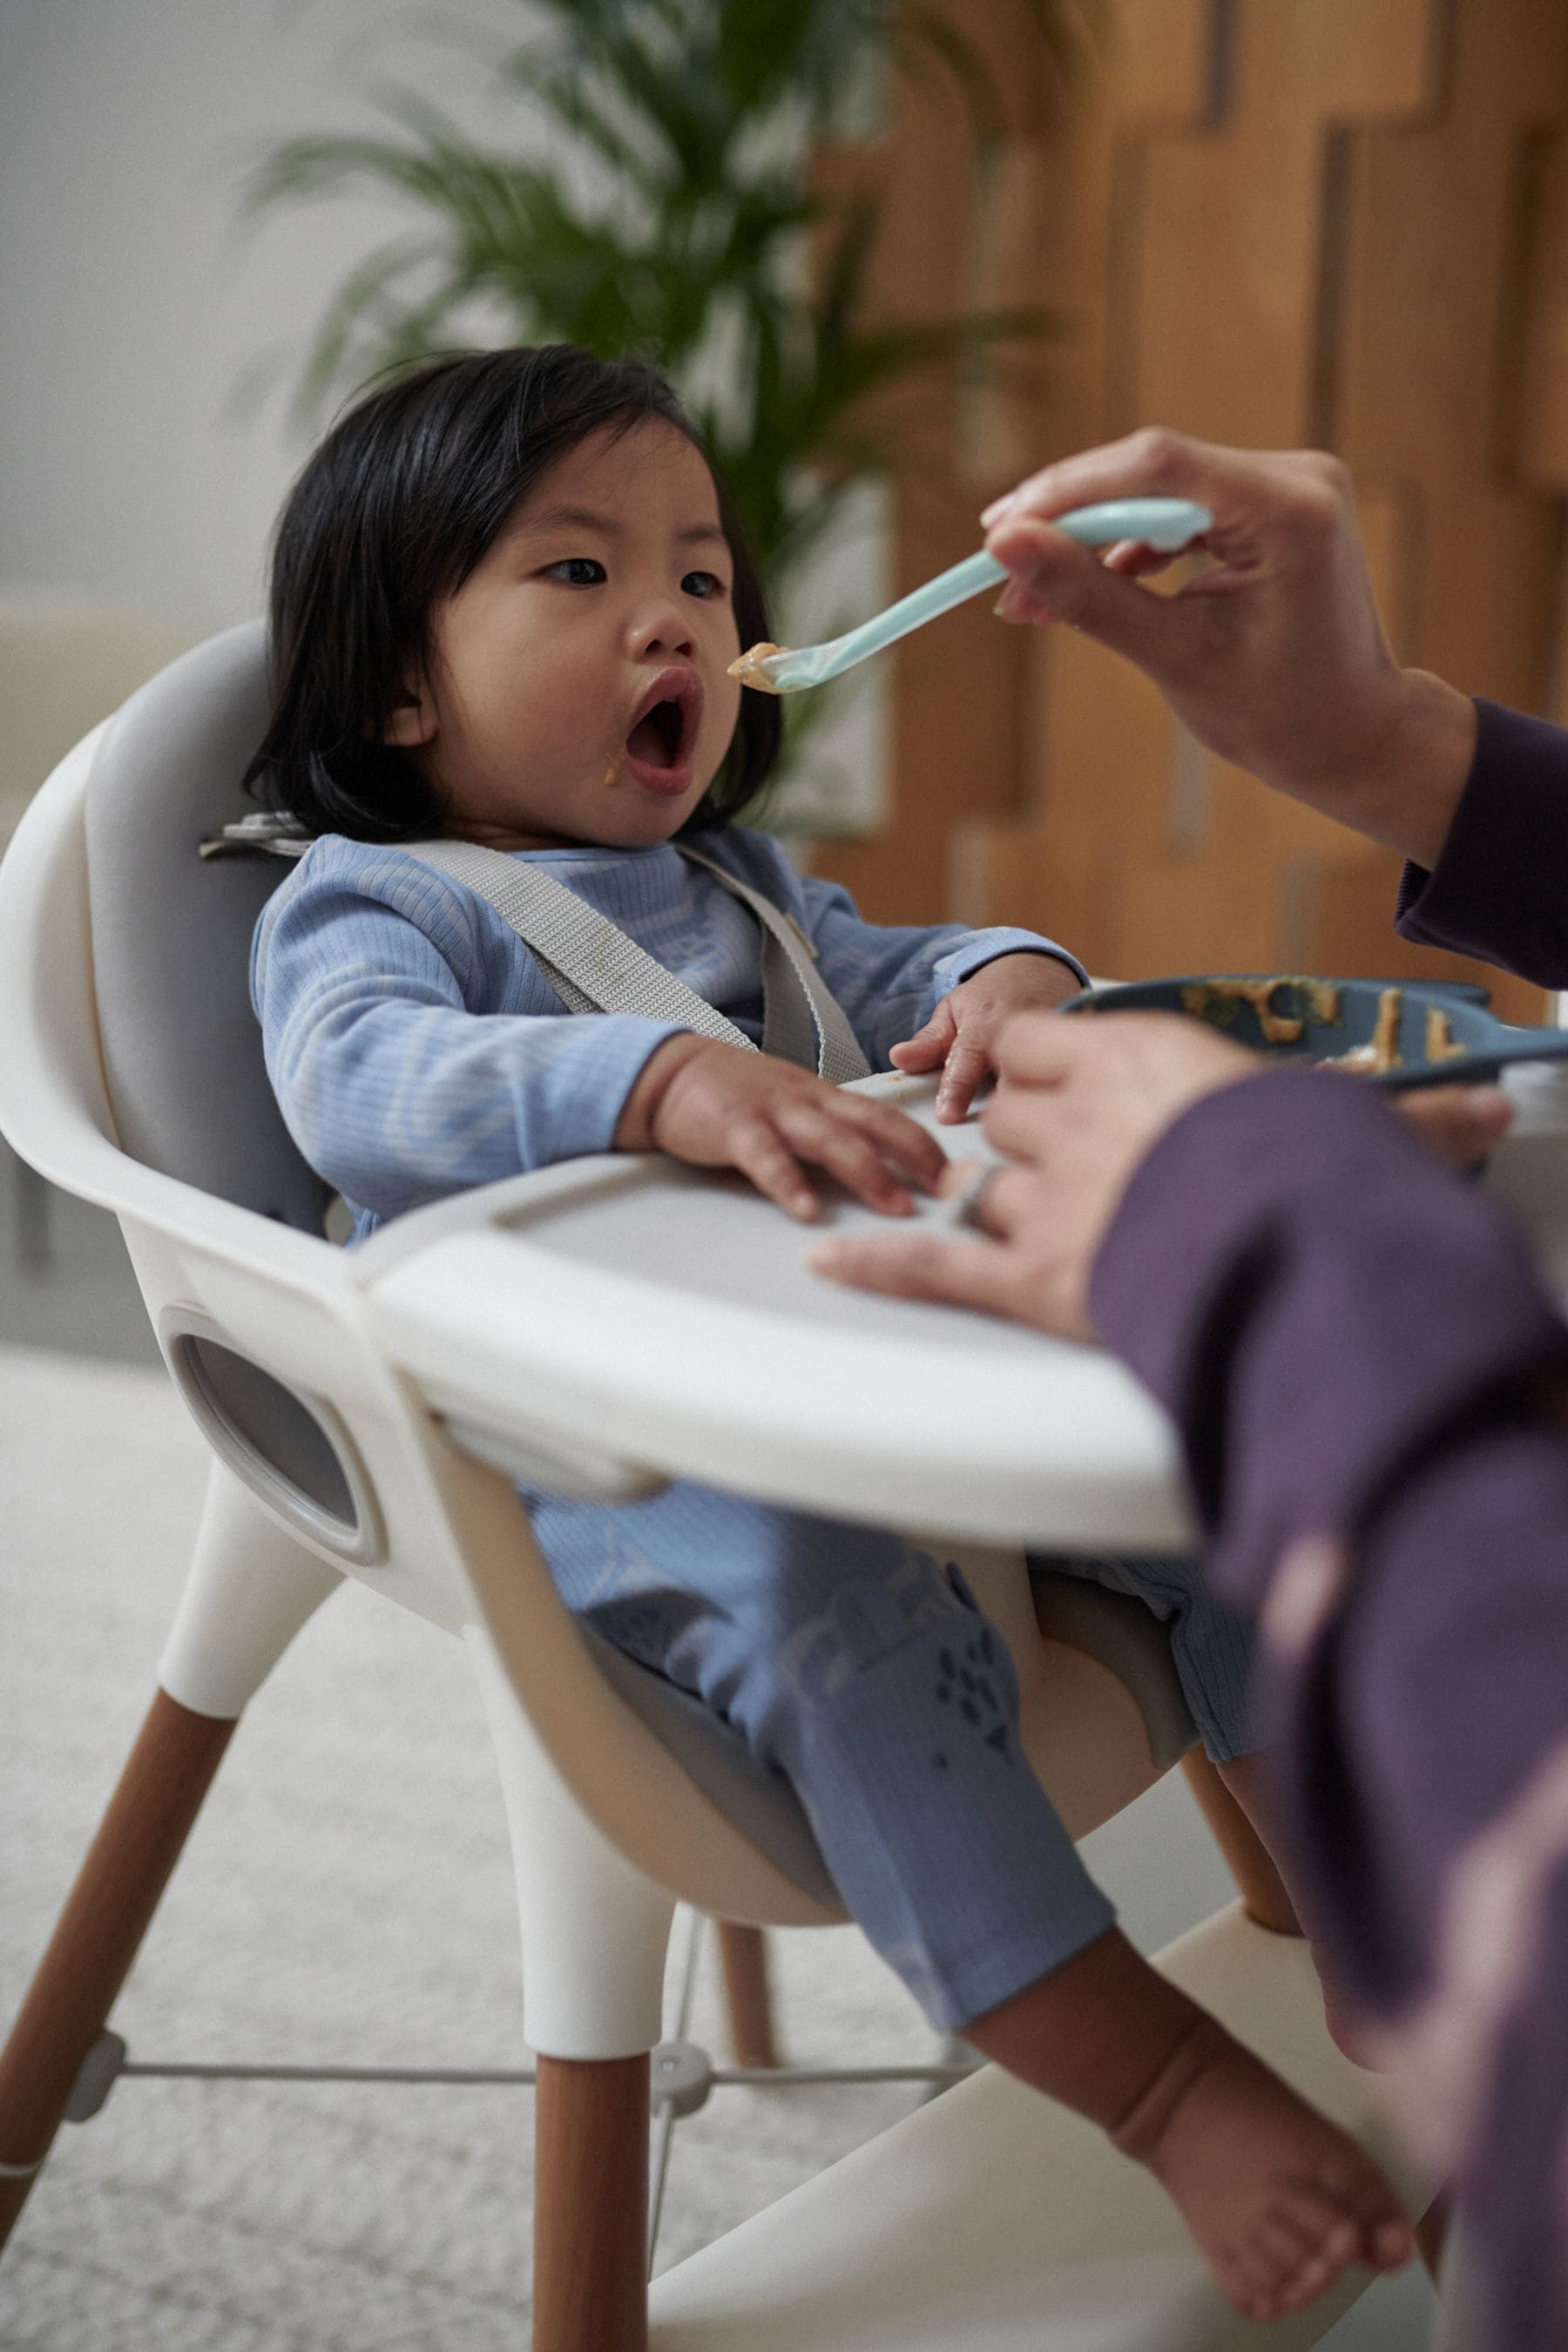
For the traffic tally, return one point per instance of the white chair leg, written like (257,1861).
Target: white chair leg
(251,1587)
(594,1929)
(596,1932)
(32,1225)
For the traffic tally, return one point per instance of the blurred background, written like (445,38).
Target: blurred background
(895,256)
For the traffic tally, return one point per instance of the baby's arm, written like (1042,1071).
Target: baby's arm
(921,997)
(395,1088)
(716,1106)
(960,1038)
(410,1063)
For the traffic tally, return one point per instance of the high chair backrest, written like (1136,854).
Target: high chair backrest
(171,932)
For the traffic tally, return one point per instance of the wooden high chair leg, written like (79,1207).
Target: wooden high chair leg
(743,1956)
(590,2204)
(1263,1893)
(107,1914)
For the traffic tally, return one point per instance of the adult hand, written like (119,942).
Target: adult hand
(960,1038)
(1275,657)
(1078,1105)
(717,1106)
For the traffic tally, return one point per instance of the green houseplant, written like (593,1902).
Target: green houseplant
(671,214)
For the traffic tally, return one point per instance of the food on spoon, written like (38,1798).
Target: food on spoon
(751,669)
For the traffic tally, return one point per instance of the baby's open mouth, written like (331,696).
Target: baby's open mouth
(664,732)
(658,738)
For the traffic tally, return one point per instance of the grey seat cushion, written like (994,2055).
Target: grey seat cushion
(760,1804)
(181,1047)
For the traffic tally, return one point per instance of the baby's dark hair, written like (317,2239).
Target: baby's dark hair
(390,516)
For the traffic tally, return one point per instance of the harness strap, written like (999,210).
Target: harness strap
(802,1021)
(595,967)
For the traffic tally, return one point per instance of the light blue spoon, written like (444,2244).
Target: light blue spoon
(1165,523)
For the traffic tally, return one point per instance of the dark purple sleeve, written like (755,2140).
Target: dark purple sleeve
(1351,1343)
(1310,1294)
(1499,888)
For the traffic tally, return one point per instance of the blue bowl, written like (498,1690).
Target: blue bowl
(1398,1033)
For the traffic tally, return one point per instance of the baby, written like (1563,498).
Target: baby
(507,592)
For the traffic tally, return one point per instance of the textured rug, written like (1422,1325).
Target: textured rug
(346,1899)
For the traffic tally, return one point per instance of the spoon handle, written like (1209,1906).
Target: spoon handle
(1164,523)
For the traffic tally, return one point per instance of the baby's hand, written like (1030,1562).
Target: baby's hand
(961,1035)
(716,1106)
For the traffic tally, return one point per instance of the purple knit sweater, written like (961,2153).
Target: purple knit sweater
(1363,1366)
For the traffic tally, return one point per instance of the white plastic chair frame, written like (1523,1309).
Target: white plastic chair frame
(64,662)
(607,1829)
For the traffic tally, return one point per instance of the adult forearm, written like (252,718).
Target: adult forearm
(1407,777)
(1497,888)
(1313,1298)
(1420,1713)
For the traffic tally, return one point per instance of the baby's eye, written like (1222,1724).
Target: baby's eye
(703,583)
(577,572)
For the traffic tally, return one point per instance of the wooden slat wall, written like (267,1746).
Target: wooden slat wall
(1341,222)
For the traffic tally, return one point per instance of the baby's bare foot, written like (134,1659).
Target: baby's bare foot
(1279,2200)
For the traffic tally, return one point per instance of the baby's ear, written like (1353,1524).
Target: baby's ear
(411,721)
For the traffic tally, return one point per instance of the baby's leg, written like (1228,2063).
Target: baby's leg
(854,1664)
(1239,1804)
(1279,2200)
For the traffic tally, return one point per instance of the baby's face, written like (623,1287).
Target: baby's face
(579,690)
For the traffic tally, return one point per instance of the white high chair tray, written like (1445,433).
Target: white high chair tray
(607,1323)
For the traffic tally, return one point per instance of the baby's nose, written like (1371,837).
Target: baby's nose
(666,630)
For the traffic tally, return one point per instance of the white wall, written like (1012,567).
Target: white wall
(133,308)
(131,305)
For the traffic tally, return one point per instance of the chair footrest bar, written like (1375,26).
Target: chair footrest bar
(106,2061)
(506,2078)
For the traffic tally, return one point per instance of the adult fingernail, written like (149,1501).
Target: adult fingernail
(992,515)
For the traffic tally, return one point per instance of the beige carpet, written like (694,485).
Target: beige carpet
(347,1898)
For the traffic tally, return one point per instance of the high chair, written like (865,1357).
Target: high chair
(66,662)
(131,1073)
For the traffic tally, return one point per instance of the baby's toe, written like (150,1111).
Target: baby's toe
(1360,2193)
(1290,2266)
(1389,2245)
